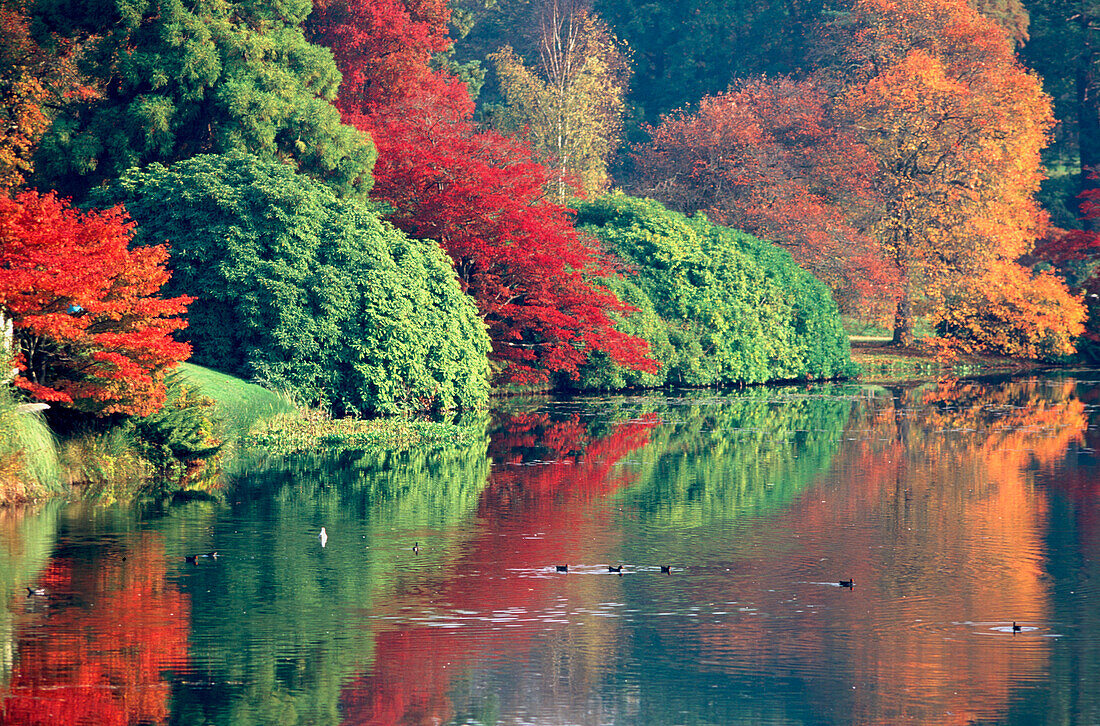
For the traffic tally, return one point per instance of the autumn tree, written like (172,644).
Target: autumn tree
(179,79)
(771,158)
(478,193)
(89,329)
(22,118)
(570,108)
(955,125)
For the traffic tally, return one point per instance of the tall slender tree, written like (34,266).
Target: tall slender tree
(570,110)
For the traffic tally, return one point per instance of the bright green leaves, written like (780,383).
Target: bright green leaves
(308,292)
(732,308)
(202,76)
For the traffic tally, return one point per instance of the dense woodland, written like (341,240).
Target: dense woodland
(397,205)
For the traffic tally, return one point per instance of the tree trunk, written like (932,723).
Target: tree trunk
(903,323)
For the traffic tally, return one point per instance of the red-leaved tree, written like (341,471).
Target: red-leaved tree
(89,331)
(768,157)
(477,193)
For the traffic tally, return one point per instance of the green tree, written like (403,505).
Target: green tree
(179,78)
(571,110)
(305,291)
(1065,51)
(732,309)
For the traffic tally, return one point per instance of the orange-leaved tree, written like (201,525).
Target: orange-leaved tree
(1011,311)
(956,125)
(89,331)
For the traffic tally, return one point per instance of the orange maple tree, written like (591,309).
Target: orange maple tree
(89,331)
(956,125)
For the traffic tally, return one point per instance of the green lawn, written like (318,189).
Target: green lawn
(239,404)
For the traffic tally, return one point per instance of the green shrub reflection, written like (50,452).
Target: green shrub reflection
(750,452)
(285,622)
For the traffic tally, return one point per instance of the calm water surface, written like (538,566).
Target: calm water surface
(956,508)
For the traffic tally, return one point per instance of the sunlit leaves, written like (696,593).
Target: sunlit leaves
(480,195)
(90,330)
(769,157)
(569,108)
(955,125)
(308,292)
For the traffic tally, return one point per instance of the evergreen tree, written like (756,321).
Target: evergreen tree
(177,78)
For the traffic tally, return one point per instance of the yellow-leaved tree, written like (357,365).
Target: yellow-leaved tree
(569,107)
(956,124)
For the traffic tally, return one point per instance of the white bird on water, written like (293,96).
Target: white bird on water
(323,536)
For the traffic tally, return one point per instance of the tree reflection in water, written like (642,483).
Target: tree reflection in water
(957,508)
(99,646)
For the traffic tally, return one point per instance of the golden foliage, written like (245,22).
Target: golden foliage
(957,125)
(571,110)
(1011,312)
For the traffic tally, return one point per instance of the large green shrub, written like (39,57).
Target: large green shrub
(718,306)
(308,292)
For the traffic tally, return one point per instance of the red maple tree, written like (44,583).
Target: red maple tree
(89,330)
(768,157)
(478,193)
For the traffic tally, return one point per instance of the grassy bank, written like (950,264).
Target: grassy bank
(238,404)
(211,424)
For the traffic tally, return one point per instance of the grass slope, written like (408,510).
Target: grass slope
(240,404)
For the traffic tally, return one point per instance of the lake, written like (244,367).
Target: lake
(958,509)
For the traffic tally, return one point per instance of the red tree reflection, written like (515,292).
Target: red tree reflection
(98,647)
(546,475)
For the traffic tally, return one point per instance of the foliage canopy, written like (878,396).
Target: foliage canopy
(731,308)
(308,292)
(91,331)
(177,78)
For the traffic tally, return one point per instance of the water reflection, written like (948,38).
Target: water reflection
(957,508)
(100,634)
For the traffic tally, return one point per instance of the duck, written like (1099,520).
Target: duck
(1016,628)
(667,569)
(848,583)
(612,568)
(562,568)
(416,548)
(193,559)
(323,536)
(212,555)
(32,591)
